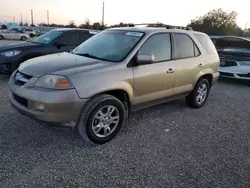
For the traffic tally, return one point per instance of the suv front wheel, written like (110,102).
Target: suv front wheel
(199,95)
(101,119)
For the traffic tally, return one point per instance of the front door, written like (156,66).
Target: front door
(155,81)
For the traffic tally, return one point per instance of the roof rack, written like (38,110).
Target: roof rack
(163,25)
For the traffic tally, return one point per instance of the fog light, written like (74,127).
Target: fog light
(39,106)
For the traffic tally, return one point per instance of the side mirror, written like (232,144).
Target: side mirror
(59,45)
(144,59)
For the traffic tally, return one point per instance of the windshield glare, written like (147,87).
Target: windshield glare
(110,45)
(47,37)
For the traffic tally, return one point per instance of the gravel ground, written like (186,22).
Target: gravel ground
(168,145)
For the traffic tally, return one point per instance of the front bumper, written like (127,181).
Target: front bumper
(8,64)
(60,107)
(235,72)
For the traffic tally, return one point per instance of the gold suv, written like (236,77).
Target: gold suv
(119,70)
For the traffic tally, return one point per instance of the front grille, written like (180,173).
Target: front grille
(226,74)
(244,75)
(227,63)
(21,100)
(21,79)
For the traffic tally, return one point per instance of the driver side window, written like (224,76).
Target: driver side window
(158,45)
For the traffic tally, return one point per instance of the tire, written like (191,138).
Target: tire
(88,119)
(1,37)
(23,38)
(32,35)
(195,99)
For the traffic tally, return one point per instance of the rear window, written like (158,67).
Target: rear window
(206,43)
(185,47)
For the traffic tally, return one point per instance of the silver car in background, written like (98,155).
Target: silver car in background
(14,34)
(234,55)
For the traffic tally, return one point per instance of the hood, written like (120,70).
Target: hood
(61,63)
(233,44)
(17,46)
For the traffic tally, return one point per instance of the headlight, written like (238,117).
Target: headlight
(53,82)
(11,53)
(244,63)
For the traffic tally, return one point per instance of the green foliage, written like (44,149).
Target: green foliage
(217,22)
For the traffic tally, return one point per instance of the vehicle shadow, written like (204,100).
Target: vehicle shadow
(4,77)
(235,81)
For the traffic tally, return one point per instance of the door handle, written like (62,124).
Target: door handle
(170,70)
(200,65)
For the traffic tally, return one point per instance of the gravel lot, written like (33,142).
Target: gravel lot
(168,145)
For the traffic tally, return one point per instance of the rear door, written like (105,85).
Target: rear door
(155,81)
(188,61)
(71,39)
(84,35)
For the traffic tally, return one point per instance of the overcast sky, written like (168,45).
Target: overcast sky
(177,12)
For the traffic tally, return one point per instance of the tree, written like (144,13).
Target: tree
(71,24)
(217,22)
(86,24)
(26,24)
(96,25)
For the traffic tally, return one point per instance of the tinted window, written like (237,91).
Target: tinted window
(158,45)
(70,39)
(206,43)
(185,46)
(84,35)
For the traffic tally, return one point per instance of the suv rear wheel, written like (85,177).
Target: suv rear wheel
(199,95)
(101,119)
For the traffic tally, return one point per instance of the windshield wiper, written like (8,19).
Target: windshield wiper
(90,56)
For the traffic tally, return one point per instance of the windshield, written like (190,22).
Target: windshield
(112,45)
(47,37)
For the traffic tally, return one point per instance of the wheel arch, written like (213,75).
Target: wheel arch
(207,74)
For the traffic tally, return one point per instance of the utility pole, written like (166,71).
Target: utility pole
(48,17)
(103,13)
(13,19)
(245,30)
(22,18)
(32,21)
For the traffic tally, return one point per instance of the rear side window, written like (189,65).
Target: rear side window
(70,39)
(158,45)
(185,47)
(84,35)
(206,43)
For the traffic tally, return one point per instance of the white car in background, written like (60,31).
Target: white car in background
(13,34)
(234,55)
